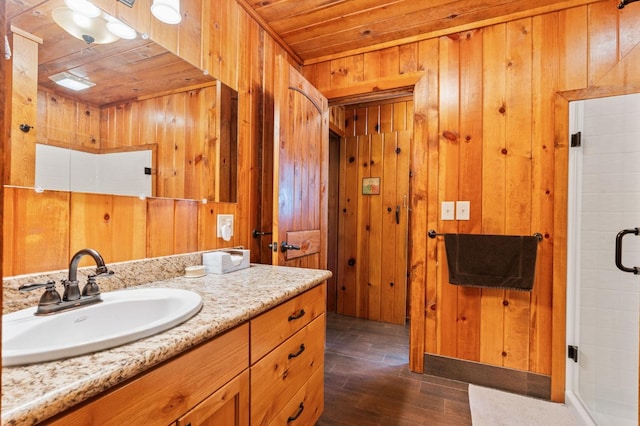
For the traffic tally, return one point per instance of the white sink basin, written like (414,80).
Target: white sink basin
(122,317)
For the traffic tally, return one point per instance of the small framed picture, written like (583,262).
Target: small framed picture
(371,186)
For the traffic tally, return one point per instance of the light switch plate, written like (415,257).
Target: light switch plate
(448,210)
(462,210)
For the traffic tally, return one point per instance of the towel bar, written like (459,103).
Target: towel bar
(432,234)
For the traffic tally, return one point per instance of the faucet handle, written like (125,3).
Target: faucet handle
(50,295)
(91,288)
(31,287)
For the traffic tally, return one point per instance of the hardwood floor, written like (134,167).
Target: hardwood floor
(368,382)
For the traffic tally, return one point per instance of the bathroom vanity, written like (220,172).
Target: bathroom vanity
(254,354)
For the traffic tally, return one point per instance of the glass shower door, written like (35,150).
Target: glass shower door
(608,299)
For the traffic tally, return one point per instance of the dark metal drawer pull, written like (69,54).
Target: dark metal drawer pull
(297,354)
(297,316)
(295,416)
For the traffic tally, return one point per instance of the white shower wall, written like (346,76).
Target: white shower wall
(609,298)
(71,170)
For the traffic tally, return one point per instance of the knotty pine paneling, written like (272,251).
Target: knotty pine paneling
(336,120)
(485,128)
(347,223)
(65,122)
(545,61)
(35,231)
(468,304)
(113,225)
(23,111)
(372,246)
(182,125)
(121,228)
(318,30)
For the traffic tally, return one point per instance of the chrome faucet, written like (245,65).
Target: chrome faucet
(51,302)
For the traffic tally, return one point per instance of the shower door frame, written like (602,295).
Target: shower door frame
(573,245)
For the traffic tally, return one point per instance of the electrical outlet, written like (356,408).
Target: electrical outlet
(447,210)
(223,221)
(462,210)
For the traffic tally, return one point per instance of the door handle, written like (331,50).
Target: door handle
(273,246)
(398,214)
(284,247)
(257,233)
(634,269)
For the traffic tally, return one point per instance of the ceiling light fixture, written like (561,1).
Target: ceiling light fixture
(85,21)
(89,29)
(83,7)
(167,11)
(71,81)
(121,29)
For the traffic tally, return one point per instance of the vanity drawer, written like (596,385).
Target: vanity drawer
(275,326)
(306,406)
(281,374)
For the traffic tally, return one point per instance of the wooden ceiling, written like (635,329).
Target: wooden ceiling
(310,30)
(316,30)
(123,70)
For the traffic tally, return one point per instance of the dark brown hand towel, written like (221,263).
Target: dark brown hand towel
(495,261)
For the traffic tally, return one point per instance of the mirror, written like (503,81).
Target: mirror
(175,126)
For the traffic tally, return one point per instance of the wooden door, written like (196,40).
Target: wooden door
(300,164)
(373,221)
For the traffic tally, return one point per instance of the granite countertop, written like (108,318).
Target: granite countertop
(33,393)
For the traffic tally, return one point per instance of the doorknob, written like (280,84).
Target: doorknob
(634,269)
(273,246)
(284,247)
(257,233)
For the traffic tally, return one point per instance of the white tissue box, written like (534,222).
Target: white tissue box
(223,261)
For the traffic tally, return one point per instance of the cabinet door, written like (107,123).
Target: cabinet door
(228,406)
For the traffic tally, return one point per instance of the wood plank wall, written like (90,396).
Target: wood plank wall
(485,132)
(372,250)
(179,127)
(337,120)
(233,48)
(23,111)
(183,127)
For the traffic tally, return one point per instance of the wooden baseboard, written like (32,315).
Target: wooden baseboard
(516,381)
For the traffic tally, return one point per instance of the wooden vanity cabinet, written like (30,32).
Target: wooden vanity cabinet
(287,361)
(267,371)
